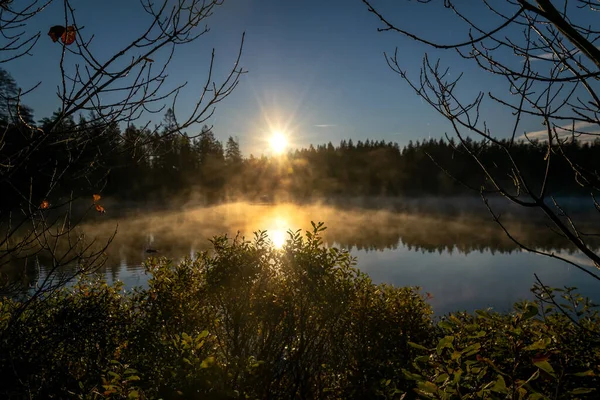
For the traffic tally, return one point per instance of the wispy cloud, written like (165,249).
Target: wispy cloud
(552,56)
(325,125)
(566,132)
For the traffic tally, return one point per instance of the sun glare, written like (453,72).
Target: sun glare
(277,232)
(278,238)
(278,143)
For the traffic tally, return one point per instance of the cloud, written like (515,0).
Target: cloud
(552,56)
(565,132)
(325,125)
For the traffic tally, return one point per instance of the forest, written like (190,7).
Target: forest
(129,163)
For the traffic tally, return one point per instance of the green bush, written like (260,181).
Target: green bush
(244,320)
(547,349)
(248,321)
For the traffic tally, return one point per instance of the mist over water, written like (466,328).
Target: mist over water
(452,250)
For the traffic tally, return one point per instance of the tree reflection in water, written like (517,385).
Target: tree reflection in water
(181,233)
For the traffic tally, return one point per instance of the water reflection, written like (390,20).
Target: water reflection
(277,232)
(463,259)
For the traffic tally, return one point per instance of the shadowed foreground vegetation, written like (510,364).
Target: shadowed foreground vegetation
(246,320)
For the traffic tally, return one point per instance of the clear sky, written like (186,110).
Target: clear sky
(315,67)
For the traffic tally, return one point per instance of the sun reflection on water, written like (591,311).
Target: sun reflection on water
(277,232)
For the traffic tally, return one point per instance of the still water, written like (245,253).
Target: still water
(462,258)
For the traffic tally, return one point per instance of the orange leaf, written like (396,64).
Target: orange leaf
(44,205)
(100,209)
(68,37)
(96,197)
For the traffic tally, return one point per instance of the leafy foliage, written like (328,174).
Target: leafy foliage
(543,350)
(244,320)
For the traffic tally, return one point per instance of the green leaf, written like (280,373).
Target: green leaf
(546,367)
(427,387)
(203,334)
(417,346)
(539,345)
(133,395)
(412,376)
(472,349)
(445,342)
(445,325)
(456,377)
(208,361)
(582,390)
(585,373)
(499,386)
(530,312)
(130,371)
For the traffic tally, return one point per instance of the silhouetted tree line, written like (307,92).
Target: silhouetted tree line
(205,168)
(148,164)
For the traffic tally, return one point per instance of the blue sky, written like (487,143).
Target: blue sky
(315,68)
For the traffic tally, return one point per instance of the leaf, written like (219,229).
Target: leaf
(56,32)
(427,387)
(208,361)
(472,349)
(203,334)
(44,205)
(546,367)
(582,390)
(530,312)
(442,378)
(96,197)
(417,346)
(412,376)
(68,37)
(585,373)
(445,325)
(539,345)
(100,209)
(499,385)
(445,342)
(133,395)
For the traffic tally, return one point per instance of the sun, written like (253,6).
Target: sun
(278,143)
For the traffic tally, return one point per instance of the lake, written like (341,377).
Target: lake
(455,252)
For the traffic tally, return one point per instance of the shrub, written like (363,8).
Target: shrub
(244,320)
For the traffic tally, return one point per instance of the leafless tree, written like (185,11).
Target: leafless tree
(546,53)
(117,90)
